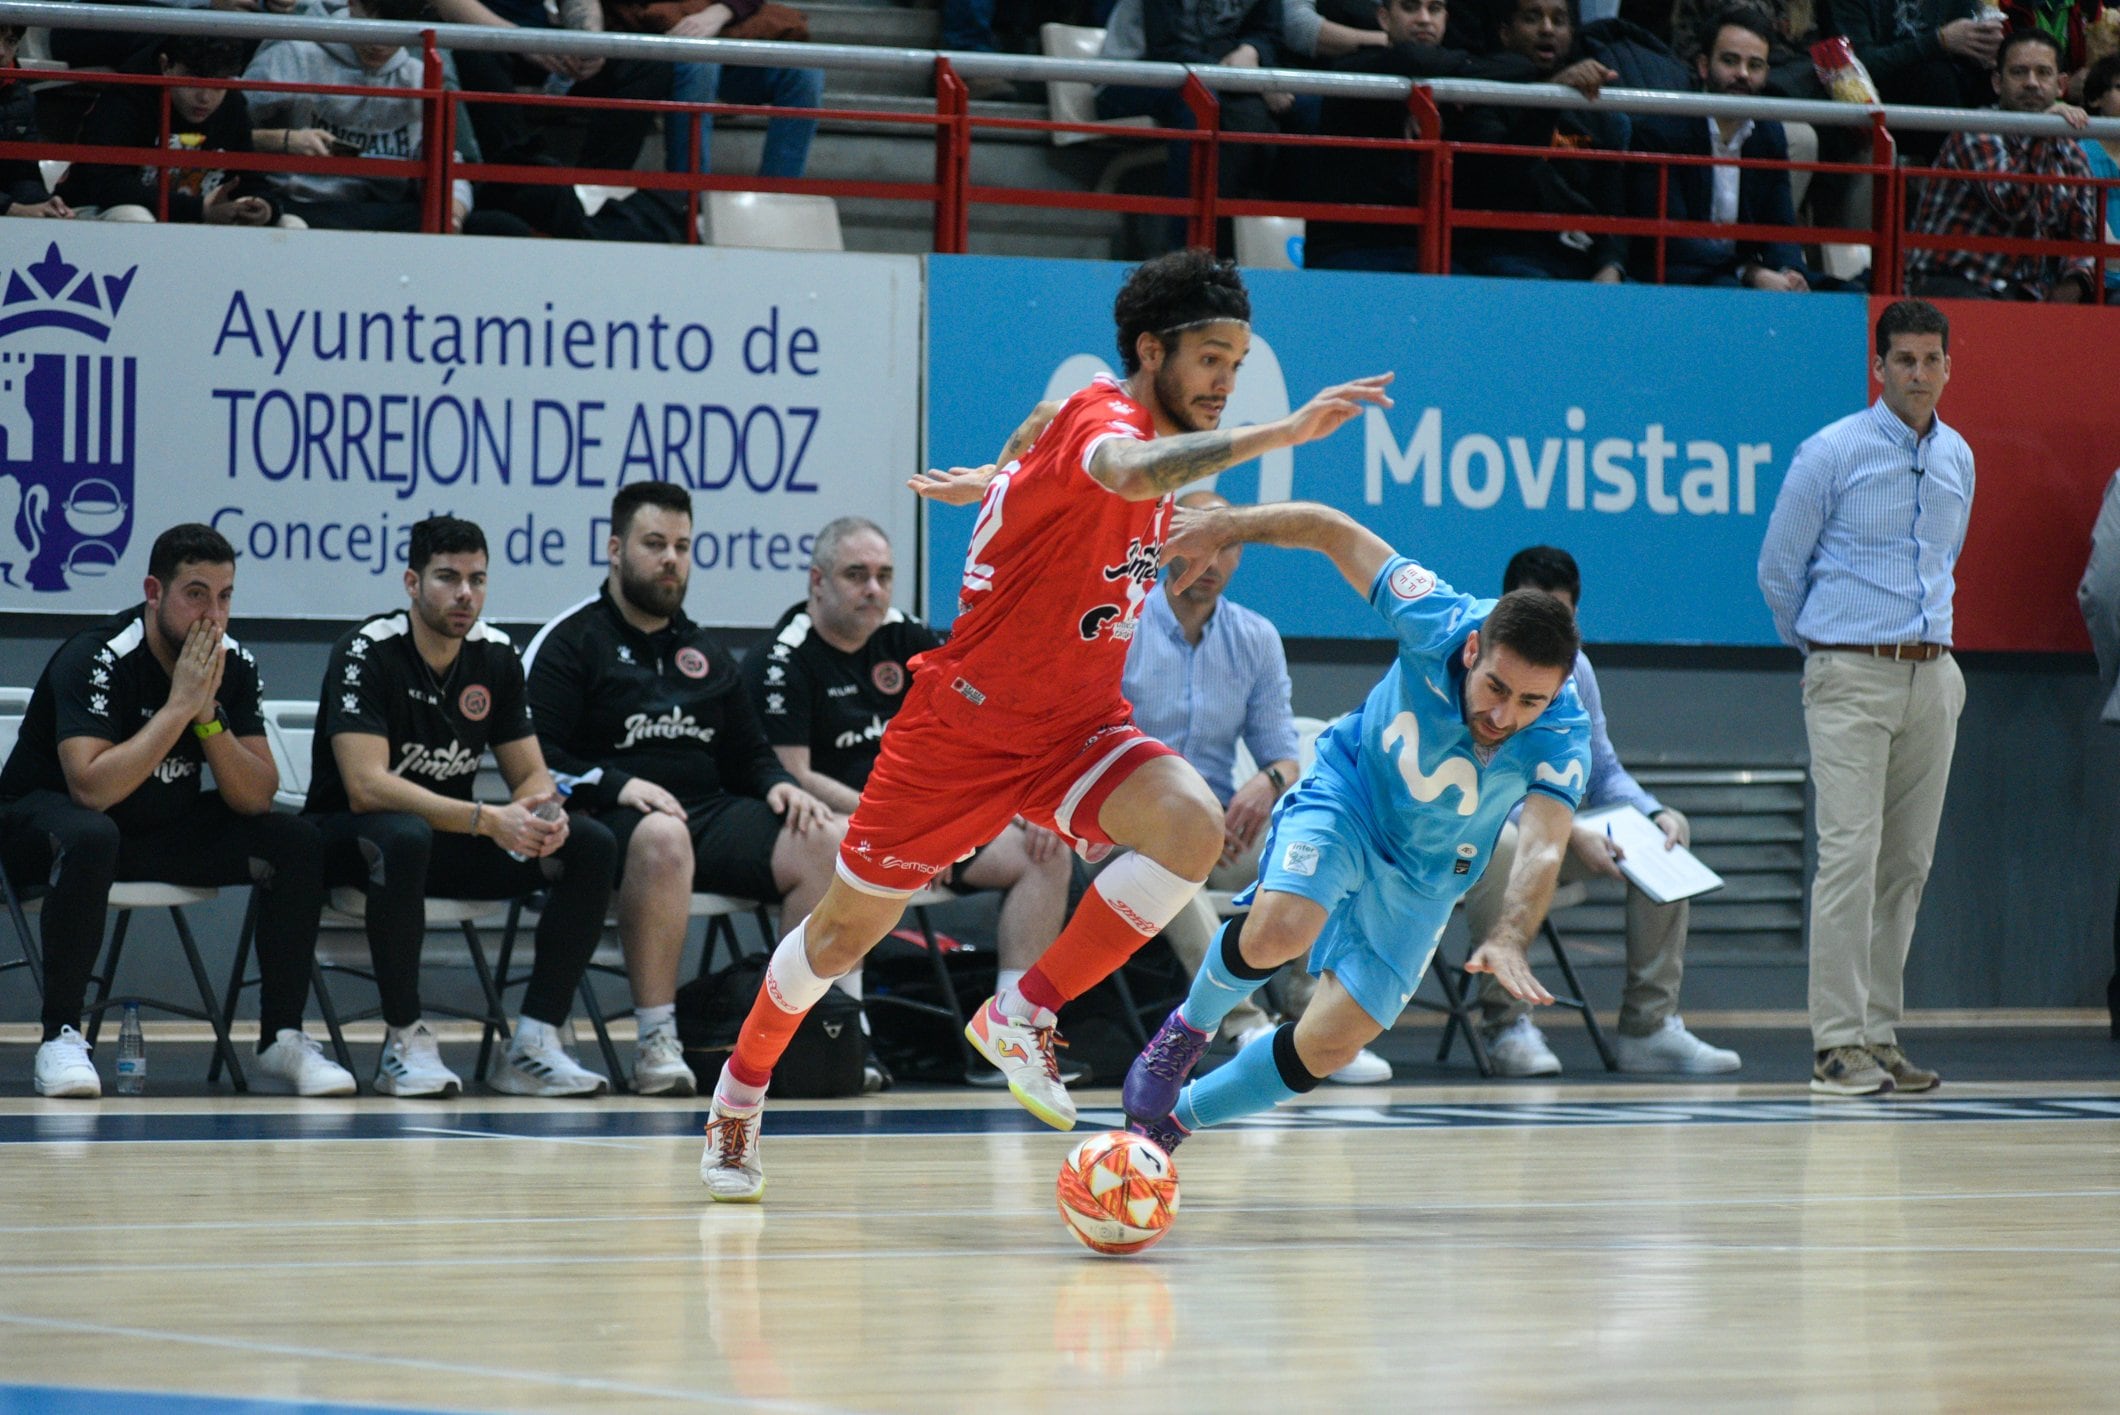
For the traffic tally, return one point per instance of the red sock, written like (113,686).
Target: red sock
(1093,946)
(765,1035)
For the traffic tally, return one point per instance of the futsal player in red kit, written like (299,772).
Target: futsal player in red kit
(1020,713)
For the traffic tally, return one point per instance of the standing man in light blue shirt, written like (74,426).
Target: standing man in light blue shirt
(1652,1036)
(1857,568)
(1205,673)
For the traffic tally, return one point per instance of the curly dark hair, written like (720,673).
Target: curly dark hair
(1171,291)
(203,56)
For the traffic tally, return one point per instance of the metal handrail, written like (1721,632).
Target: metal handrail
(970,64)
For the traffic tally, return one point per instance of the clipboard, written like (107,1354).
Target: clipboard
(1666,876)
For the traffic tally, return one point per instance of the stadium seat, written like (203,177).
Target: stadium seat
(1269,242)
(1460,992)
(1073,102)
(125,898)
(776,221)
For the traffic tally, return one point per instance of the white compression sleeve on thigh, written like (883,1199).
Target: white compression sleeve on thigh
(1143,893)
(790,981)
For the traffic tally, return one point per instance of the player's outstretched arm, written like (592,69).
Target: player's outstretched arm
(961,486)
(1143,471)
(1542,842)
(1198,535)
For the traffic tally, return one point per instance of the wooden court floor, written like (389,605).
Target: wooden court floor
(1699,1248)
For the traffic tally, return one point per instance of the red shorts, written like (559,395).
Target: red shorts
(943,786)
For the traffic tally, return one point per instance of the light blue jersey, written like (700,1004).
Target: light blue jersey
(1398,815)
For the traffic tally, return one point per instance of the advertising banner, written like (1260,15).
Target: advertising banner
(311,394)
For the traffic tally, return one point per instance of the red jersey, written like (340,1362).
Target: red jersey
(1058,570)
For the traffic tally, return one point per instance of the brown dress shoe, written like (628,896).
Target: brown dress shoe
(1906,1076)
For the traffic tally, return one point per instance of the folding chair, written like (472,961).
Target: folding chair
(780,221)
(719,910)
(290,728)
(125,898)
(1461,1000)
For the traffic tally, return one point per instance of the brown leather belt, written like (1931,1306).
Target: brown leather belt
(1902,653)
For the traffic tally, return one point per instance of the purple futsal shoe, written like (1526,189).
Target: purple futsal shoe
(1166,1132)
(1159,1072)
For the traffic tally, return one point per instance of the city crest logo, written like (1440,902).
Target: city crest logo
(67,425)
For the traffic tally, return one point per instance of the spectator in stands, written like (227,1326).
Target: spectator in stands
(412,700)
(1544,32)
(1792,29)
(1325,33)
(2101,95)
(354,125)
(1204,674)
(508,132)
(1857,570)
(1652,1037)
(22,189)
(120,49)
(2098,596)
(1732,62)
(1918,55)
(787,145)
(2027,79)
(1238,34)
(832,673)
(106,784)
(200,119)
(1417,48)
(645,712)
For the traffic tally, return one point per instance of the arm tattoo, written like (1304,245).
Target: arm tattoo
(1171,462)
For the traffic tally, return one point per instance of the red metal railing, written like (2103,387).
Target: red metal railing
(952,194)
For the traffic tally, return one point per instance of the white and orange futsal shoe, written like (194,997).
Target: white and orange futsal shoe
(1025,1055)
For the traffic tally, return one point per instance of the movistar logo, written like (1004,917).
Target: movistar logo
(1459,772)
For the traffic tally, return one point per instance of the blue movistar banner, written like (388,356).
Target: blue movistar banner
(1644,430)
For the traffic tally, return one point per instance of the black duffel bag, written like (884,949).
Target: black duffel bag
(823,1060)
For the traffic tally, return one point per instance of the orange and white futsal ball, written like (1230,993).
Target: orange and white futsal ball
(1118,1192)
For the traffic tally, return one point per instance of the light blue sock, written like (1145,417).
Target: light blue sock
(1244,1086)
(1215,990)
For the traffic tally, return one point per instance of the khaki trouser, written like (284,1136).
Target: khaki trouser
(1656,945)
(1882,733)
(1193,932)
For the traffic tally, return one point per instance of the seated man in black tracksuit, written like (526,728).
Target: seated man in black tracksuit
(105,784)
(646,714)
(1544,32)
(411,702)
(1732,60)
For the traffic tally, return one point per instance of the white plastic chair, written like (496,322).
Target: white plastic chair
(1076,102)
(1269,242)
(779,221)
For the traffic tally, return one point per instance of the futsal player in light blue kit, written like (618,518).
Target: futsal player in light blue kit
(1391,825)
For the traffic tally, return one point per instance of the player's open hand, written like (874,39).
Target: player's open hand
(959,486)
(1511,969)
(646,797)
(802,811)
(1336,407)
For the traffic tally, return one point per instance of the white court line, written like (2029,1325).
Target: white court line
(502,1135)
(878,1215)
(690,1396)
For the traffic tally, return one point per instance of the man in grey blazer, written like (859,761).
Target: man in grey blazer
(2099,597)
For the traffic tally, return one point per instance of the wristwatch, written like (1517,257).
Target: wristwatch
(1280,782)
(203,730)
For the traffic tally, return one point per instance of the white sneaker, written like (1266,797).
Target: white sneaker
(659,1066)
(1367,1069)
(732,1167)
(294,1062)
(1672,1048)
(411,1065)
(1025,1055)
(535,1064)
(1520,1049)
(64,1069)
(1264,1027)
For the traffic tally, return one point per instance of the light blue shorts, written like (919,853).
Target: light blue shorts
(1379,930)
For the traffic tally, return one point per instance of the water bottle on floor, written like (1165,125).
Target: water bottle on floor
(552,810)
(132,1054)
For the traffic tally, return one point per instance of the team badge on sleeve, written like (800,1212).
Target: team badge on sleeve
(1411,581)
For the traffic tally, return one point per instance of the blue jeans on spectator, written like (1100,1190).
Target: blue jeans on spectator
(969,24)
(787,150)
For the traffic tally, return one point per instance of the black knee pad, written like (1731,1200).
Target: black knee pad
(1233,953)
(1294,1074)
